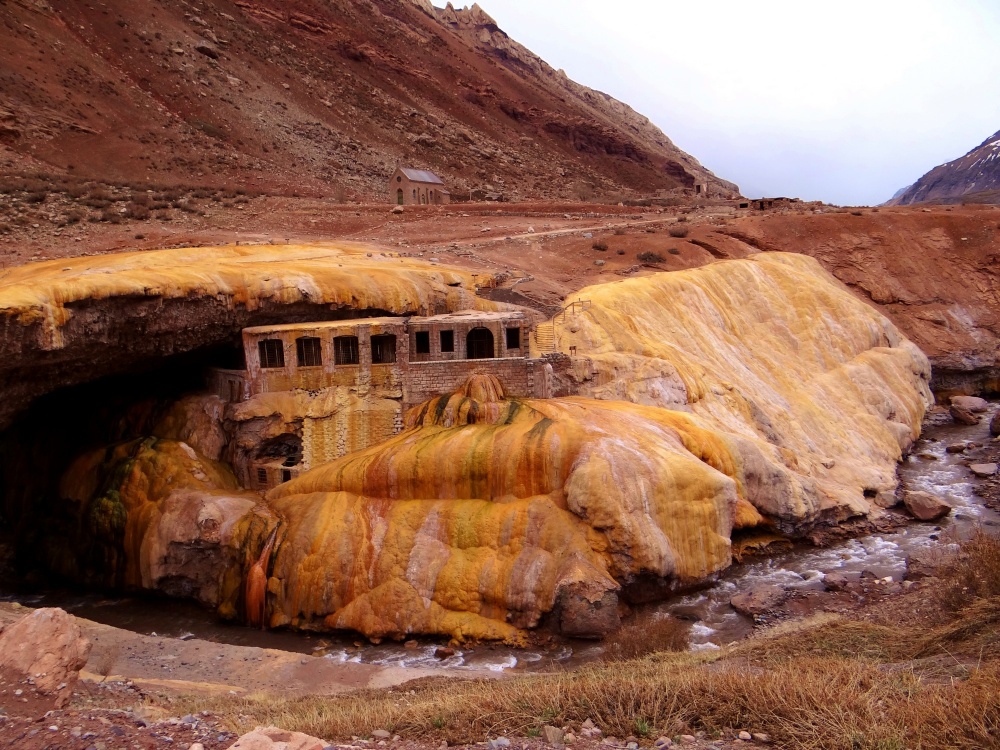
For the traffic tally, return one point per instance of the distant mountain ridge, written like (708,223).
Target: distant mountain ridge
(973,178)
(318,96)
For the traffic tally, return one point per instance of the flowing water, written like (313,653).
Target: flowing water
(929,468)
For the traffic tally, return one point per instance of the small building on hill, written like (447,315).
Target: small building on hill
(417,187)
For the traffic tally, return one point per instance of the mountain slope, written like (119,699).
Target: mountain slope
(319,96)
(974,178)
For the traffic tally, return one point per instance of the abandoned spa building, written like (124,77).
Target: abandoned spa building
(344,385)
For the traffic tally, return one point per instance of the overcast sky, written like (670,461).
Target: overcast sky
(843,101)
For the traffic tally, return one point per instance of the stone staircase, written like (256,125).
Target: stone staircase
(543,340)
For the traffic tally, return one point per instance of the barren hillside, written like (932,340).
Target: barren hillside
(322,97)
(973,178)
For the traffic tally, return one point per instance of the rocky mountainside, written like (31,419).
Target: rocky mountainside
(974,178)
(321,97)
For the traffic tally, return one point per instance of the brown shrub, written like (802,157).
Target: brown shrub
(600,245)
(973,572)
(638,639)
(111,215)
(650,256)
(678,232)
(138,211)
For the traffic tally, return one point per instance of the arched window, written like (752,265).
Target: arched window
(479,344)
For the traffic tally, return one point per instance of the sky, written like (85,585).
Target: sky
(844,102)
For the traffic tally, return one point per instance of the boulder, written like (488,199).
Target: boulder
(922,565)
(956,447)
(758,600)
(926,507)
(207,50)
(836,581)
(49,647)
(271,738)
(971,403)
(995,425)
(962,415)
(588,611)
(983,470)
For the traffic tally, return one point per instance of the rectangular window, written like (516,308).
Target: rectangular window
(345,350)
(310,351)
(447,341)
(286,475)
(272,353)
(383,349)
(513,338)
(261,476)
(423,342)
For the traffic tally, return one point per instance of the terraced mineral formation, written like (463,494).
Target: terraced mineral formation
(771,398)
(488,512)
(745,396)
(820,391)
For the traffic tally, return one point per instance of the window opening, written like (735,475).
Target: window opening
(513,338)
(262,476)
(399,197)
(286,475)
(383,349)
(423,342)
(310,351)
(479,344)
(345,350)
(272,353)
(447,341)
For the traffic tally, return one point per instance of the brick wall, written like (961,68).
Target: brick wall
(522,378)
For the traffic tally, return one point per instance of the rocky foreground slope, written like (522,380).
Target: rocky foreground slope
(489,514)
(316,97)
(973,178)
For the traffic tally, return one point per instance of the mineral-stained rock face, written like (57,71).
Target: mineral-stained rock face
(820,392)
(480,517)
(70,321)
(155,514)
(788,404)
(746,395)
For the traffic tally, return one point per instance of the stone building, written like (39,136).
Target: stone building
(341,386)
(417,187)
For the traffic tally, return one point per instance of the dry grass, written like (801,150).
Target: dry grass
(678,232)
(641,638)
(826,682)
(974,572)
